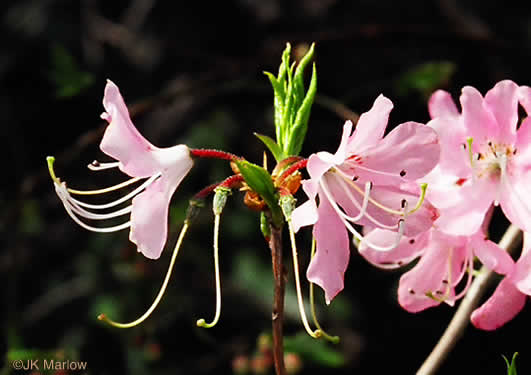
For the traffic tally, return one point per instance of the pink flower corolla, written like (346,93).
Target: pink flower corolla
(444,261)
(360,184)
(510,295)
(163,169)
(485,157)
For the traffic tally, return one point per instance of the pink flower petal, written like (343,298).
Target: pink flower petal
(149,219)
(522,272)
(327,268)
(122,141)
(303,215)
(515,197)
(426,277)
(441,104)
(524,97)
(408,249)
(480,123)
(452,136)
(408,152)
(491,255)
(501,307)
(502,101)
(371,126)
(522,158)
(462,208)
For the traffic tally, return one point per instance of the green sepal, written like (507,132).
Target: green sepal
(272,146)
(300,126)
(259,180)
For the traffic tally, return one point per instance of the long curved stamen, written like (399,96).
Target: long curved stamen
(93,216)
(333,339)
(97,166)
(366,214)
(68,200)
(469,141)
(106,190)
(91,228)
(161,292)
(373,201)
(420,201)
(126,197)
(201,322)
(317,333)
(356,234)
(470,271)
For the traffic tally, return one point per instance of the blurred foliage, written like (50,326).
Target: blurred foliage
(66,74)
(425,78)
(312,350)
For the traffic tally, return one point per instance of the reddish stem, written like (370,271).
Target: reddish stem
(275,243)
(213,154)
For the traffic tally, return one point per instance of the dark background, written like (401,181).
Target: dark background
(191,73)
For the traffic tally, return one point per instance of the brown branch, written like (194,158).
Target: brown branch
(275,243)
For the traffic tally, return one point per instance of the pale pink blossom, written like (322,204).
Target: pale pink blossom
(485,157)
(163,169)
(444,261)
(510,295)
(362,184)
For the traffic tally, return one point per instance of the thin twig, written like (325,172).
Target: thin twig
(275,243)
(459,322)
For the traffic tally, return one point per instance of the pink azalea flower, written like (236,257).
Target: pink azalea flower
(444,261)
(163,169)
(509,297)
(485,157)
(361,184)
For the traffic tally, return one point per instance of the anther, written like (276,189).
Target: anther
(403,203)
(412,241)
(402,173)
(411,291)
(355,178)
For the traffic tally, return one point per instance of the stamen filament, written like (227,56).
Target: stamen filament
(356,234)
(317,333)
(376,203)
(367,215)
(91,228)
(161,292)
(469,141)
(201,322)
(126,197)
(97,166)
(333,339)
(106,190)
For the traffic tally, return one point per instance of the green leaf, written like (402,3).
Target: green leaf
(300,126)
(272,146)
(511,367)
(260,181)
(317,351)
(279,95)
(298,79)
(425,78)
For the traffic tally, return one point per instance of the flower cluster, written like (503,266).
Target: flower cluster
(484,163)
